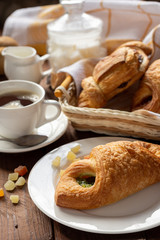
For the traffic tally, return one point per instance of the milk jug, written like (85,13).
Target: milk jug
(23,62)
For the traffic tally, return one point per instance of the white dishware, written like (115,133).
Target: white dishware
(140,211)
(22,62)
(19,120)
(53,130)
(26,140)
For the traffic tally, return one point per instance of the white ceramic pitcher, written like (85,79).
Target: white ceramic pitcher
(23,62)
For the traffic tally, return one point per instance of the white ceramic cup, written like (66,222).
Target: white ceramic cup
(16,122)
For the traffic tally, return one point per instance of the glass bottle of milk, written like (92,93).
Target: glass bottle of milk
(74,36)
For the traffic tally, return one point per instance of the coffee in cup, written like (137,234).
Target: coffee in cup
(23,108)
(17,99)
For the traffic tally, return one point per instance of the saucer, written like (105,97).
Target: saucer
(138,212)
(54,130)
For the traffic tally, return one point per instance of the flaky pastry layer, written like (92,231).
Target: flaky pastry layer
(148,94)
(114,74)
(120,168)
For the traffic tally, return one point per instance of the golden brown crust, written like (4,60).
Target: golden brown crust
(121,168)
(5,41)
(148,94)
(93,97)
(138,44)
(112,44)
(115,73)
(120,70)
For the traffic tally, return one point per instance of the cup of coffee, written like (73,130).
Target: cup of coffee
(23,108)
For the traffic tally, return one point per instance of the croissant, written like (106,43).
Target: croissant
(113,171)
(114,74)
(148,94)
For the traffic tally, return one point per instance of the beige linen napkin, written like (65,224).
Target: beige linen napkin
(29,25)
(123,20)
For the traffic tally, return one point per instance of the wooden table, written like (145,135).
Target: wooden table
(25,221)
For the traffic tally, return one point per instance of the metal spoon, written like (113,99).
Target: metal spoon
(27,140)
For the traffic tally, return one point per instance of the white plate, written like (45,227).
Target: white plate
(54,130)
(138,212)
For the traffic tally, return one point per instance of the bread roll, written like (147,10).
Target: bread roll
(148,94)
(5,41)
(114,74)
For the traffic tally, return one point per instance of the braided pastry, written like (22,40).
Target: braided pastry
(115,171)
(114,74)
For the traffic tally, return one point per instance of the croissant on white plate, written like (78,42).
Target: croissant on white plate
(110,173)
(114,74)
(148,94)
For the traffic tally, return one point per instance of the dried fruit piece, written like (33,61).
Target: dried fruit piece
(71,156)
(1,192)
(14,199)
(9,185)
(13,176)
(20,182)
(56,161)
(21,170)
(76,149)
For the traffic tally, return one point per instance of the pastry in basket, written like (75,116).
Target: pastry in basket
(138,44)
(148,94)
(110,173)
(114,74)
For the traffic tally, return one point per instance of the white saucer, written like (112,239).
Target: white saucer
(54,130)
(140,211)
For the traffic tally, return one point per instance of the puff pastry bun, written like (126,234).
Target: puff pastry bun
(148,94)
(120,168)
(114,74)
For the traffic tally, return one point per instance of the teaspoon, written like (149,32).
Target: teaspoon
(27,140)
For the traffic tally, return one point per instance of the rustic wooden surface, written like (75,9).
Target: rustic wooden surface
(26,222)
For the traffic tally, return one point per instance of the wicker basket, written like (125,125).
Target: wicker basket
(141,123)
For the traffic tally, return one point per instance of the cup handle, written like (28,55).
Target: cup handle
(43,59)
(52,104)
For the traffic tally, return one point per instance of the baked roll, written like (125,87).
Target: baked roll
(138,44)
(91,95)
(148,94)
(114,74)
(5,41)
(114,171)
